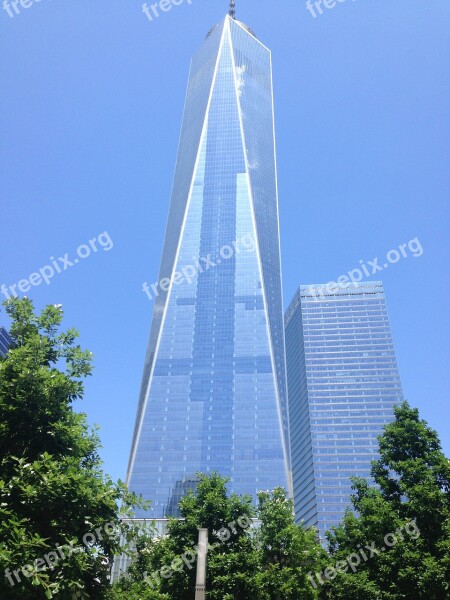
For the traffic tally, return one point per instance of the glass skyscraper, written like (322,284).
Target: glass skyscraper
(5,341)
(343,383)
(213,395)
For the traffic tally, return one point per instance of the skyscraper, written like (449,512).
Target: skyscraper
(213,395)
(343,383)
(5,341)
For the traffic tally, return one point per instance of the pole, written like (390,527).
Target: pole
(200,586)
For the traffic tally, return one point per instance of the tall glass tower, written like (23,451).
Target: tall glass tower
(213,395)
(343,383)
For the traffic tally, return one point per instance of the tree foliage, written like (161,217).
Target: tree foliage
(245,562)
(287,551)
(59,526)
(405,520)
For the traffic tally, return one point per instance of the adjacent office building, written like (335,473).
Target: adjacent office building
(343,383)
(5,341)
(213,395)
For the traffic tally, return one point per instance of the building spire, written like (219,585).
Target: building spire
(232,11)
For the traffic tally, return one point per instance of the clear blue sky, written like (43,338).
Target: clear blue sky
(91,107)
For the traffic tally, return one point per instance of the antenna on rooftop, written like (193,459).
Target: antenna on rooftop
(232,11)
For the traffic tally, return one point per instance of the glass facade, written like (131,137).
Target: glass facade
(5,341)
(343,383)
(213,395)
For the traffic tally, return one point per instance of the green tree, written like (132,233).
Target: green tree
(59,527)
(400,536)
(244,562)
(288,552)
(168,565)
